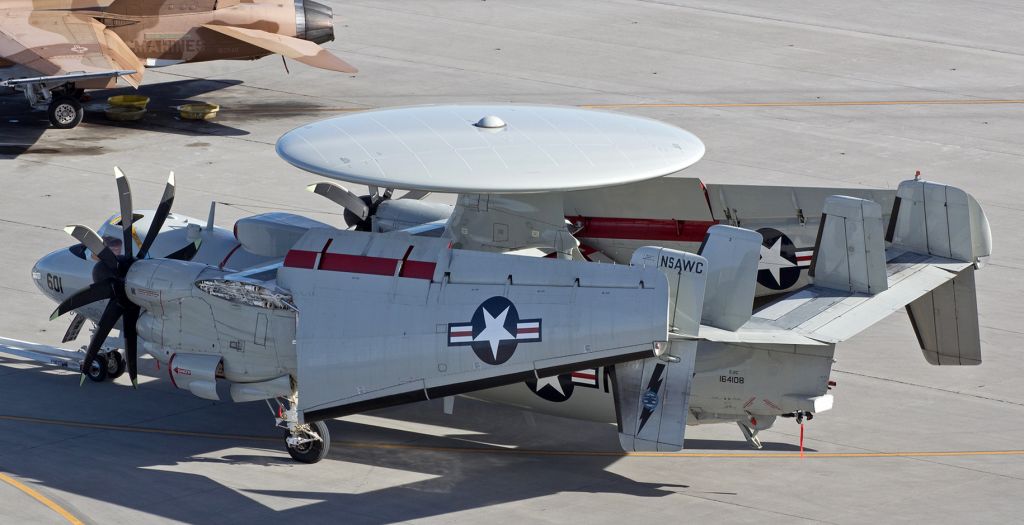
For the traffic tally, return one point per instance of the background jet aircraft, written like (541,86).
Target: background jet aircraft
(51,50)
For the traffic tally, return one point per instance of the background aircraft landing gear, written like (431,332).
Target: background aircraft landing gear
(308,443)
(65,112)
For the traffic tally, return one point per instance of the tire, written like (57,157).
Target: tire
(65,112)
(116,365)
(98,371)
(312,451)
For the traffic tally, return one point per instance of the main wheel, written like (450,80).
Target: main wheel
(98,371)
(115,365)
(65,112)
(313,450)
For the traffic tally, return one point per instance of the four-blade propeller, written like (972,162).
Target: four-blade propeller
(109,273)
(359,210)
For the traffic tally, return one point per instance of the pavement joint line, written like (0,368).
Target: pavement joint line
(69,517)
(797,103)
(524,452)
(781,104)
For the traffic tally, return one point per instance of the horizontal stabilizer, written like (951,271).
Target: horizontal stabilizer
(732,254)
(856,284)
(946,322)
(303,51)
(850,252)
(652,398)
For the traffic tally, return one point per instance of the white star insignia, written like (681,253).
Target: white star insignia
(494,332)
(551,381)
(773,261)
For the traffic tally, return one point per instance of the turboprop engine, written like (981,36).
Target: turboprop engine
(203,327)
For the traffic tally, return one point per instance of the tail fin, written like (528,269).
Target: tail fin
(850,251)
(652,399)
(945,321)
(687,274)
(935,219)
(732,254)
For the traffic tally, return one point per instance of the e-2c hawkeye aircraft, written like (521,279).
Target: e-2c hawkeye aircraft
(571,277)
(51,50)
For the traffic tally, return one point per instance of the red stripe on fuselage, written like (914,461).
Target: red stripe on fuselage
(642,229)
(300,259)
(418,270)
(341,262)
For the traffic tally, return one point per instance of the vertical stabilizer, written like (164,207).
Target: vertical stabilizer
(935,219)
(652,399)
(687,275)
(733,255)
(850,252)
(946,322)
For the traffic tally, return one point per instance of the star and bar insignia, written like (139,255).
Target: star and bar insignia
(495,331)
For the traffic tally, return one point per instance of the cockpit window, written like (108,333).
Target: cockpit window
(114,244)
(78,250)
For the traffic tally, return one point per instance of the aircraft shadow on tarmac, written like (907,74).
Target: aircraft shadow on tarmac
(175,477)
(21,127)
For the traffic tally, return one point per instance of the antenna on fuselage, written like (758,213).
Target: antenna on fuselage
(209,218)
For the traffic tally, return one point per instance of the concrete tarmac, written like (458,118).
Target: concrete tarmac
(822,93)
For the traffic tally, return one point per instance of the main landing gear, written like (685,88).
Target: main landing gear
(110,365)
(65,112)
(305,442)
(61,100)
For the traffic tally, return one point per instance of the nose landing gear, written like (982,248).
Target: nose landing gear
(305,442)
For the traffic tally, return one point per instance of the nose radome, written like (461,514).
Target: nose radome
(314,21)
(62,272)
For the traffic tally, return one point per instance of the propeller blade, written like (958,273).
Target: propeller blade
(342,197)
(414,195)
(162,210)
(124,195)
(186,253)
(93,242)
(107,322)
(131,342)
(94,292)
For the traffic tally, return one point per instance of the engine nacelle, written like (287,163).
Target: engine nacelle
(196,373)
(398,214)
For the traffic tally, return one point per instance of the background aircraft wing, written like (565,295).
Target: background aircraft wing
(56,44)
(303,51)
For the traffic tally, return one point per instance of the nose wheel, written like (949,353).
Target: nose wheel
(305,442)
(308,443)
